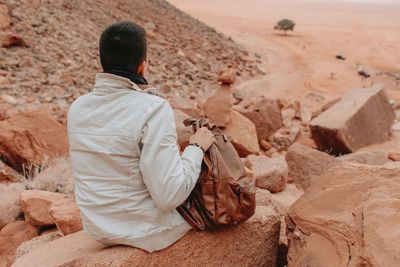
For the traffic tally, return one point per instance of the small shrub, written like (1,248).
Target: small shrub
(54,176)
(285,25)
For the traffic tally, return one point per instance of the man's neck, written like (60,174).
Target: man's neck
(133,77)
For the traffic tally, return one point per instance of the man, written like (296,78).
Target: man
(123,145)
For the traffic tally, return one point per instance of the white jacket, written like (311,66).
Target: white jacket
(129,174)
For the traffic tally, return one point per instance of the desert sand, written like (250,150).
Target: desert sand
(302,65)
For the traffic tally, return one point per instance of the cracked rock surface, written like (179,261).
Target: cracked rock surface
(348,217)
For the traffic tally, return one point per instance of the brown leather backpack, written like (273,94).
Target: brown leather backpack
(225,193)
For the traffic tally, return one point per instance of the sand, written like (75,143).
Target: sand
(303,65)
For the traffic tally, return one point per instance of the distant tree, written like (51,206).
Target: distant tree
(285,25)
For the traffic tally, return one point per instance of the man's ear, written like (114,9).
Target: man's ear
(142,68)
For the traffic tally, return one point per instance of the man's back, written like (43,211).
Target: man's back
(124,186)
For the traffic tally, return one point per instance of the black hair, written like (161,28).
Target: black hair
(123,47)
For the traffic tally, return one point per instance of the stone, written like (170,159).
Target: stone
(263,198)
(371,157)
(7,250)
(366,73)
(301,113)
(184,133)
(306,164)
(285,199)
(43,208)
(9,174)
(392,165)
(394,156)
(150,26)
(8,99)
(265,145)
(288,115)
(218,107)
(243,135)
(361,118)
(29,138)
(4,81)
(349,217)
(36,206)
(227,76)
(266,116)
(35,242)
(9,204)
(8,40)
(19,230)
(270,173)
(341,56)
(306,140)
(226,247)
(325,107)
(187,106)
(380,223)
(396,127)
(283,103)
(13,235)
(284,138)
(281,201)
(5,19)
(66,216)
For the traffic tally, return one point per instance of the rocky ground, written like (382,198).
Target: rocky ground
(57,57)
(315,205)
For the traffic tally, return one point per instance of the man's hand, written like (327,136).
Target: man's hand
(203,137)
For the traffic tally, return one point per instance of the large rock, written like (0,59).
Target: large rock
(371,157)
(8,174)
(184,133)
(5,19)
(10,208)
(36,206)
(253,243)
(306,164)
(66,216)
(270,173)
(363,117)
(349,217)
(30,137)
(187,106)
(43,208)
(266,116)
(11,236)
(243,135)
(218,107)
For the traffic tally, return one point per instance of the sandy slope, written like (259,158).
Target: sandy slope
(303,65)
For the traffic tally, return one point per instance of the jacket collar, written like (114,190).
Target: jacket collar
(106,82)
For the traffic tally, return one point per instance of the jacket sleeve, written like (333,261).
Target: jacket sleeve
(169,177)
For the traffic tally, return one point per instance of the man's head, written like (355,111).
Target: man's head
(123,47)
